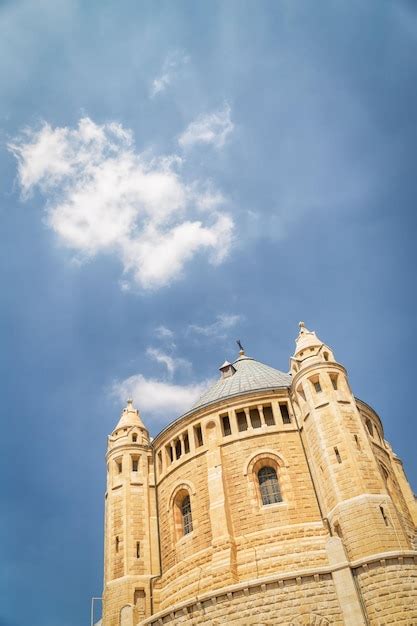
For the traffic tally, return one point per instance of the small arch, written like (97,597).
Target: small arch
(263,455)
(126,615)
(184,485)
(211,429)
(326,356)
(134,437)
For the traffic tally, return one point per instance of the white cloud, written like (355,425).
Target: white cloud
(103,196)
(223,323)
(213,128)
(171,363)
(169,72)
(162,332)
(159,397)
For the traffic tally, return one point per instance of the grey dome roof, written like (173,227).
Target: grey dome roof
(250,375)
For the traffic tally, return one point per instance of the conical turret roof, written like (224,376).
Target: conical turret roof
(306,339)
(250,375)
(130,417)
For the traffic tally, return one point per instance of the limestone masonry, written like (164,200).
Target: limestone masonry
(274,500)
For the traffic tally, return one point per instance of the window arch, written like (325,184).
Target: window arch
(370,427)
(268,485)
(182,512)
(134,437)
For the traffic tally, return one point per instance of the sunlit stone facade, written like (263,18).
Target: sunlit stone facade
(275,500)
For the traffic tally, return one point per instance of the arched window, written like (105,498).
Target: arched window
(134,437)
(268,485)
(370,427)
(180,505)
(187,520)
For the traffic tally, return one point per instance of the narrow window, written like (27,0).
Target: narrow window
(138,549)
(160,462)
(268,485)
(333,378)
(242,423)
(170,453)
(301,393)
(338,457)
(187,521)
(177,448)
(370,427)
(326,356)
(198,436)
(117,544)
(255,418)
(119,466)
(358,444)
(317,386)
(226,425)
(286,419)
(384,516)
(186,444)
(268,415)
(135,464)
(134,437)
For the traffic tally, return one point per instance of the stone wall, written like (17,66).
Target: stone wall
(389,591)
(299,601)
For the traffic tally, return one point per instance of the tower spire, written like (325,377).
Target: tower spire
(130,417)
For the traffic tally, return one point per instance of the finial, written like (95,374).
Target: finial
(302,327)
(129,403)
(241,349)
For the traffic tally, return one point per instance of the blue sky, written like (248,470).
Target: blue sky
(176,175)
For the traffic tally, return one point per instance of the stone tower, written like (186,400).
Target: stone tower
(131,545)
(350,482)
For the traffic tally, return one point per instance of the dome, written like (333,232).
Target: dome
(250,375)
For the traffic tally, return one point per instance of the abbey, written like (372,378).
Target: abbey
(274,500)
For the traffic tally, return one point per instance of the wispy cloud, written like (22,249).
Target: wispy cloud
(170,68)
(104,196)
(171,363)
(213,128)
(218,328)
(157,397)
(162,332)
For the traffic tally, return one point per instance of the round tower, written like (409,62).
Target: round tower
(350,487)
(131,548)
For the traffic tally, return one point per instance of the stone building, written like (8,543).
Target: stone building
(274,500)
